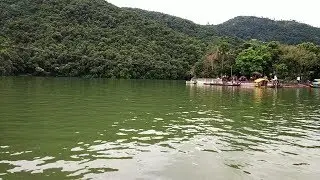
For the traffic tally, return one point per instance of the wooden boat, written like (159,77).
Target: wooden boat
(315,83)
(212,84)
(275,86)
(191,82)
(224,84)
(261,82)
(232,84)
(314,86)
(275,83)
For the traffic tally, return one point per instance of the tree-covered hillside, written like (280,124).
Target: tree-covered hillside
(90,38)
(93,38)
(206,33)
(264,29)
(243,27)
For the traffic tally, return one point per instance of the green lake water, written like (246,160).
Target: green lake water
(70,128)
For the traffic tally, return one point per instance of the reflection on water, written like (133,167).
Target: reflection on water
(120,129)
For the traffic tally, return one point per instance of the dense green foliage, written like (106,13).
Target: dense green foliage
(90,38)
(264,29)
(243,27)
(253,59)
(206,33)
(273,58)
(93,38)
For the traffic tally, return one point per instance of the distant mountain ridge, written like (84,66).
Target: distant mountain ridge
(264,29)
(178,24)
(244,27)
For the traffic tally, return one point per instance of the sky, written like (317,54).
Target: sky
(219,11)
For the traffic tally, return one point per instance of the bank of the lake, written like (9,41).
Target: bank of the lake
(71,128)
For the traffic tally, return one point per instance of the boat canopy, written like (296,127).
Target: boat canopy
(260,80)
(316,82)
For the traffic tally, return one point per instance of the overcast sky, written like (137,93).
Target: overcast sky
(218,11)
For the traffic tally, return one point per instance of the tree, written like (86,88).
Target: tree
(254,59)
(298,60)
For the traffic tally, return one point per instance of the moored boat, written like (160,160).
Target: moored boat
(275,83)
(232,83)
(261,82)
(315,83)
(191,82)
(229,83)
(275,86)
(210,81)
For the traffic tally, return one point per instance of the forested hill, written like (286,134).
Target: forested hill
(178,24)
(93,38)
(90,38)
(244,27)
(264,29)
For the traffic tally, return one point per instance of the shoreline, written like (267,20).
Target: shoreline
(251,85)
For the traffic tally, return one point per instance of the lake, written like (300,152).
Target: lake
(71,128)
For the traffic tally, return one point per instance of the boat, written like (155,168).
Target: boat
(315,83)
(191,82)
(210,81)
(261,82)
(276,86)
(275,83)
(212,84)
(232,83)
(225,83)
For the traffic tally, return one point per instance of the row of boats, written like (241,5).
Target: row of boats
(213,82)
(261,82)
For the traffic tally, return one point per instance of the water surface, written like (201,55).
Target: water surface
(70,128)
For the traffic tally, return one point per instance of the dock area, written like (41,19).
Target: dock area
(243,84)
